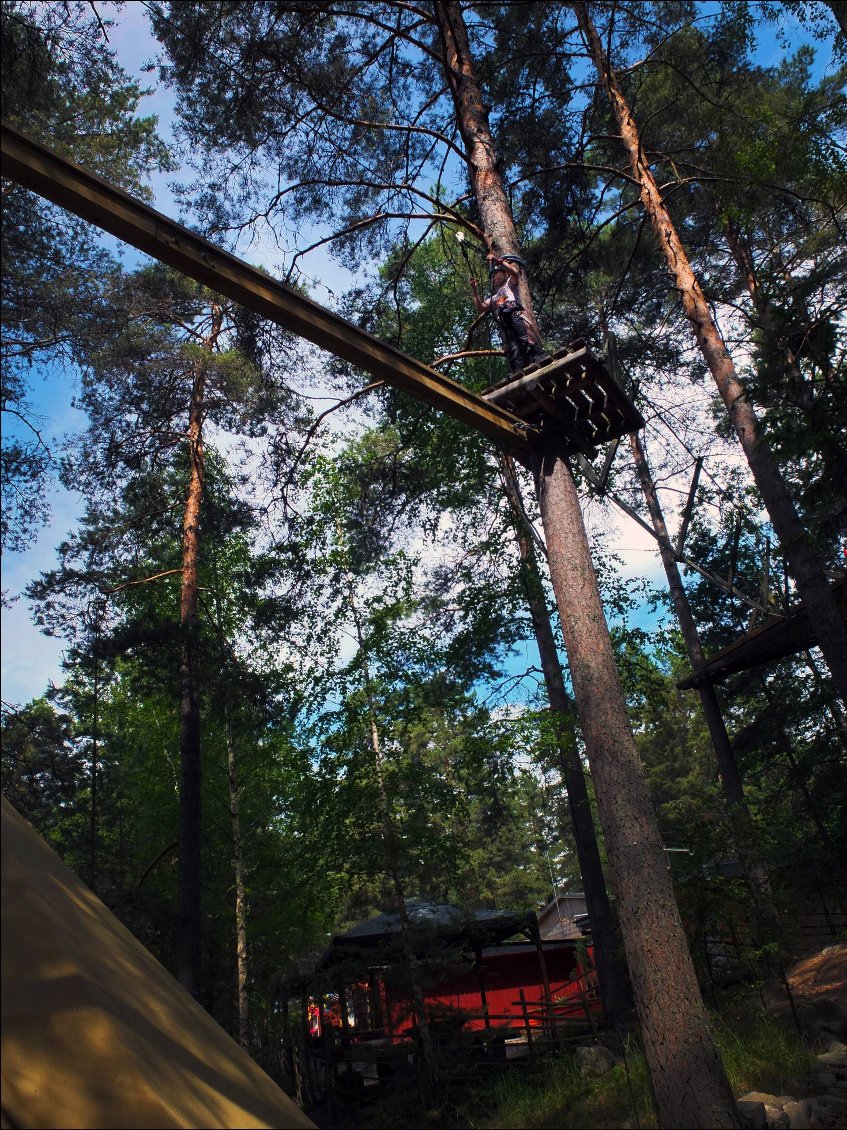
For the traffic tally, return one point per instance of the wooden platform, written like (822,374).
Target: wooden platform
(776,639)
(572,396)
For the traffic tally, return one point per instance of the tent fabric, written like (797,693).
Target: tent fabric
(95,1032)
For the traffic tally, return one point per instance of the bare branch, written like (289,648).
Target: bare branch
(317,423)
(466,353)
(141,581)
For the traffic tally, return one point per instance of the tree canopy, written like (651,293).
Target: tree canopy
(317,658)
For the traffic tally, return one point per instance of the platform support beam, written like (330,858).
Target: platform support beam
(64,183)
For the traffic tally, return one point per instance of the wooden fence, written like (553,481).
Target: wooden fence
(359,1065)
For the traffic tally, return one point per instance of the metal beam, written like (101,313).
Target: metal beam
(64,183)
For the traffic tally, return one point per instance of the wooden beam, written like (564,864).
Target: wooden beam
(689,506)
(64,183)
(777,638)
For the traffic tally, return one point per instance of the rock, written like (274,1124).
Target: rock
(776,1118)
(594,1060)
(826,1078)
(837,1046)
(798,1114)
(827,1112)
(835,1061)
(752,1114)
(823,1018)
(764,1097)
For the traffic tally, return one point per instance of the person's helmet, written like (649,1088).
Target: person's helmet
(494,268)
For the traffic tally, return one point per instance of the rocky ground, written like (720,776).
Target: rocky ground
(819,991)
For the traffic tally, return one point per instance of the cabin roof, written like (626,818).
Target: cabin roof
(439,918)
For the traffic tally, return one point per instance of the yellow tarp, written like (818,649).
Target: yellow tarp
(95,1032)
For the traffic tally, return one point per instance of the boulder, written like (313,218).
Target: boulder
(594,1060)
(776,1118)
(798,1114)
(834,1061)
(752,1114)
(823,1019)
(764,1097)
(827,1112)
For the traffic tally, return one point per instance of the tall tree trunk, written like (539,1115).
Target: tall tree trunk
(688,1078)
(241,955)
(833,705)
(806,569)
(474,126)
(188,912)
(390,843)
(95,736)
(689,1081)
(839,10)
(610,970)
(733,789)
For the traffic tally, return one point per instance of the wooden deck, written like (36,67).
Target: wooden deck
(776,639)
(573,398)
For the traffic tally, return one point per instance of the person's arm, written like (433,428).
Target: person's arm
(512,271)
(479,303)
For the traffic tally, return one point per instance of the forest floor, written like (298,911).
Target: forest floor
(769,1044)
(772,1047)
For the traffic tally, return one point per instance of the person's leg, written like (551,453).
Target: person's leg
(511,343)
(532,351)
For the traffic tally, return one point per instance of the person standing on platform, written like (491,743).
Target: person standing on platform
(520,338)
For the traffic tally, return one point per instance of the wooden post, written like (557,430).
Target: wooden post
(480,968)
(376,1004)
(535,934)
(525,1012)
(342,1009)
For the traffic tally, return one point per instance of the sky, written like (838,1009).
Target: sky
(29,660)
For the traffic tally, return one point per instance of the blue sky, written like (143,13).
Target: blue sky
(29,659)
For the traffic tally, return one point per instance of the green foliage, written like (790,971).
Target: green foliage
(44,773)
(61,84)
(355,649)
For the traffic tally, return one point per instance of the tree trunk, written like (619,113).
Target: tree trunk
(839,10)
(95,736)
(689,1081)
(497,222)
(812,584)
(390,844)
(688,1078)
(472,120)
(733,789)
(611,973)
(188,914)
(241,957)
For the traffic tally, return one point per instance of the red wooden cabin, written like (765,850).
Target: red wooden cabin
(484,982)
